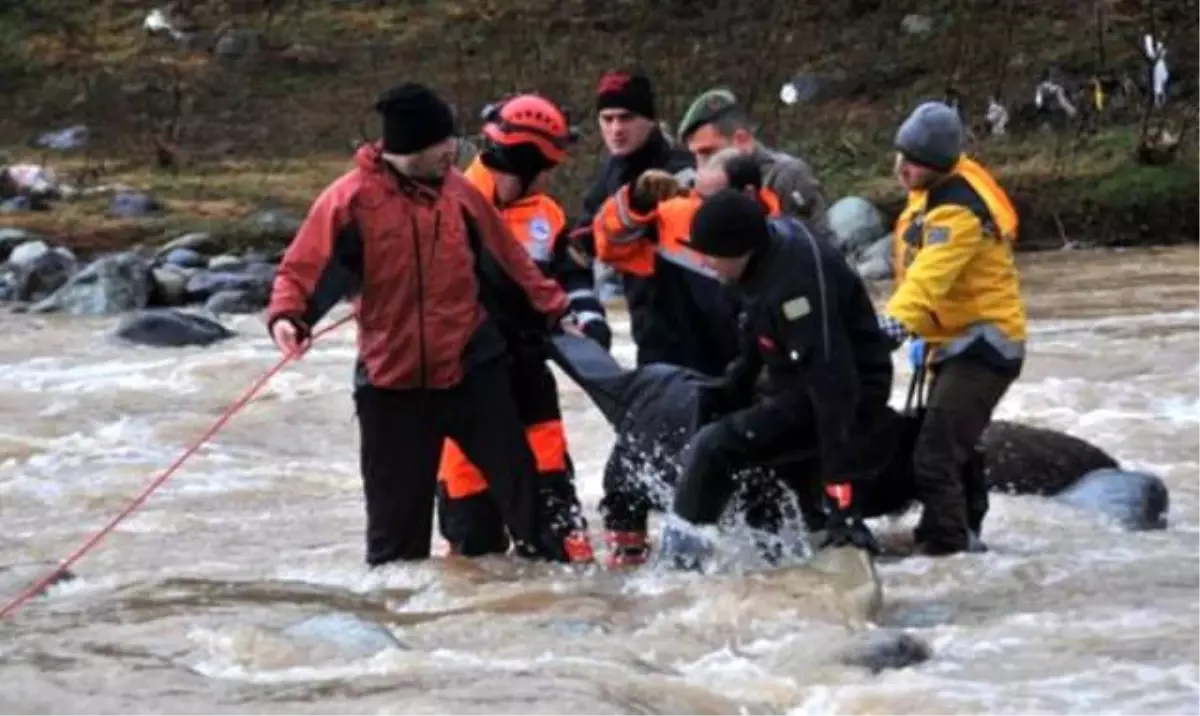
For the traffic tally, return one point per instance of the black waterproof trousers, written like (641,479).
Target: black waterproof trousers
(402,432)
(468,515)
(769,432)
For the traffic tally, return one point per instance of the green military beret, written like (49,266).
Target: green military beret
(704,109)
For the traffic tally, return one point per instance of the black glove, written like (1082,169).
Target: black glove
(844,529)
(600,332)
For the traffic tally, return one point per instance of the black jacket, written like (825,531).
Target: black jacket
(615,172)
(680,314)
(656,409)
(809,323)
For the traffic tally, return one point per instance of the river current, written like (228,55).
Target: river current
(182,609)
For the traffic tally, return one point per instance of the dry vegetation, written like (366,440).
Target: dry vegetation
(216,136)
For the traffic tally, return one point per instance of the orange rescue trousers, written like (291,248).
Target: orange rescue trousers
(468,515)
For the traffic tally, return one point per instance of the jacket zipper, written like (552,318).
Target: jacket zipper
(816,252)
(420,302)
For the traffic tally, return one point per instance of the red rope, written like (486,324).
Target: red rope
(37,587)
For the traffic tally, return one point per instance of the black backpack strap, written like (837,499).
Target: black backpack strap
(915,402)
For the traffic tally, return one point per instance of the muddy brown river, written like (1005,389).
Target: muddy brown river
(183,608)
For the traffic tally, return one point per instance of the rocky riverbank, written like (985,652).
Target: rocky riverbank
(197,270)
(146,285)
(189,270)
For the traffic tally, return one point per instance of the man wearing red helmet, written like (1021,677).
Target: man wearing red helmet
(525,138)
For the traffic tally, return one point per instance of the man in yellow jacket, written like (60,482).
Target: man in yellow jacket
(958,293)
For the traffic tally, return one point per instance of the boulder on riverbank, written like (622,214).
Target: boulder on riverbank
(190,270)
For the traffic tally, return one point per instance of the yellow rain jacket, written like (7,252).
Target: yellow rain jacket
(956,277)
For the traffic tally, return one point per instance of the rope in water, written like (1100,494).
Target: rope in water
(234,408)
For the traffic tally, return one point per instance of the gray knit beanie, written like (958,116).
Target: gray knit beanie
(932,136)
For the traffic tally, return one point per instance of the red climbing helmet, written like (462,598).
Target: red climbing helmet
(530,119)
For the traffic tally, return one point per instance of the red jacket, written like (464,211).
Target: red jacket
(407,253)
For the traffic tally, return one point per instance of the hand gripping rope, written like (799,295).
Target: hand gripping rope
(234,408)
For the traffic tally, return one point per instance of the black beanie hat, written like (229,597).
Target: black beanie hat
(728,224)
(626,90)
(414,118)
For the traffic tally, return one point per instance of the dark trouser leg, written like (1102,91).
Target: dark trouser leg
(631,481)
(467,510)
(962,398)
(761,498)
(975,489)
(803,478)
(467,514)
(472,524)
(536,395)
(768,505)
(401,441)
(637,479)
(745,439)
(482,418)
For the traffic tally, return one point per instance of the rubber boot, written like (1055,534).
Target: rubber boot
(578,548)
(626,549)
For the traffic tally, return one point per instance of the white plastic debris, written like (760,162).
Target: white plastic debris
(156,21)
(788,93)
(1156,52)
(997,117)
(62,139)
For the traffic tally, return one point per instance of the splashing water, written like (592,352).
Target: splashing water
(186,606)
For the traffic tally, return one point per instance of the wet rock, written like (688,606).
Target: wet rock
(112,284)
(16,578)
(882,649)
(233,302)
(1028,460)
(918,614)
(236,42)
(352,635)
(229,263)
(1136,500)
(133,205)
(256,256)
(170,285)
(577,627)
(856,223)
(170,328)
(197,241)
(184,257)
(207,283)
(225,263)
(12,238)
(263,271)
(916,24)
(273,224)
(875,262)
(18,205)
(27,252)
(36,279)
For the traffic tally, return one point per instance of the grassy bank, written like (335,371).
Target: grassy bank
(269,122)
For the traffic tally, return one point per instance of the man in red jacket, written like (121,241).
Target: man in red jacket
(407,237)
